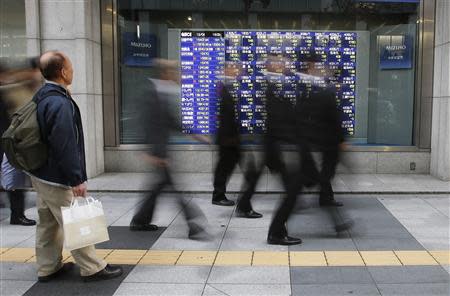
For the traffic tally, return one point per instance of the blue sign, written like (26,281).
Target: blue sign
(138,51)
(389,1)
(396,51)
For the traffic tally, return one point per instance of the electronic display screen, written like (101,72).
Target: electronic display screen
(203,55)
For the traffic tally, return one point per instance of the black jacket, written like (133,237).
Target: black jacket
(60,123)
(319,119)
(228,130)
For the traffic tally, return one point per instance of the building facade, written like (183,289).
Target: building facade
(391,62)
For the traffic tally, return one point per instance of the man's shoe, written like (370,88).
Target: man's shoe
(64,269)
(344,226)
(143,227)
(223,202)
(248,214)
(199,234)
(22,221)
(109,272)
(330,203)
(284,241)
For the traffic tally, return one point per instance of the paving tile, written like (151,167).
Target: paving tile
(125,256)
(414,289)
(197,258)
(18,271)
(155,257)
(168,274)
(415,258)
(262,258)
(435,244)
(234,258)
(122,238)
(249,244)
(344,258)
(386,244)
(168,243)
(335,290)
(249,275)
(247,290)
(150,289)
(17,255)
(408,274)
(380,258)
(322,244)
(442,257)
(307,258)
(330,275)
(15,287)
(70,283)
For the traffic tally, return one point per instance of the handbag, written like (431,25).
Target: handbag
(84,224)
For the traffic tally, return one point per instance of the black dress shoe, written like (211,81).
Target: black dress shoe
(330,203)
(248,214)
(22,221)
(223,202)
(284,241)
(344,226)
(109,272)
(143,227)
(64,269)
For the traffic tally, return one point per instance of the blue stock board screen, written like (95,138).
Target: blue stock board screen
(203,55)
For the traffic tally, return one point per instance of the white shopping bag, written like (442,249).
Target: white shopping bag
(84,224)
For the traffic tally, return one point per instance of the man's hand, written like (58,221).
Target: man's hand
(202,138)
(80,190)
(156,161)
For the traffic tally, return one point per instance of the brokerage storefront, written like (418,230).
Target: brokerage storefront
(382,53)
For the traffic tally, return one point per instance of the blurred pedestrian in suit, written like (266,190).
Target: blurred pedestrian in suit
(159,117)
(319,128)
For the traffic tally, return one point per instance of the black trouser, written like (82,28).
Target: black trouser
(252,174)
(292,184)
(330,158)
(229,157)
(17,202)
(16,199)
(145,212)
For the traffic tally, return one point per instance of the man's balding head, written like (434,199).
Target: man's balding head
(56,66)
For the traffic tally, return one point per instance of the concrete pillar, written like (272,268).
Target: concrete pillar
(440,134)
(73,27)
(32,32)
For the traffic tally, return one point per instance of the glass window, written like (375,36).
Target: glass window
(13,43)
(371,44)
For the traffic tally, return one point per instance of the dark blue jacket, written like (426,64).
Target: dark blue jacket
(60,123)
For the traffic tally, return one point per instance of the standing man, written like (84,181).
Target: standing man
(63,177)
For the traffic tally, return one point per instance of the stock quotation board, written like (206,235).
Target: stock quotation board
(203,55)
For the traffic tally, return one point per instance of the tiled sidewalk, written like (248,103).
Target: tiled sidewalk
(399,246)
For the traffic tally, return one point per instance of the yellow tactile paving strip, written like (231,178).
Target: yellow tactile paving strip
(250,258)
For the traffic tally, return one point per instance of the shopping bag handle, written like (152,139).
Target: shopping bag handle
(74,202)
(90,200)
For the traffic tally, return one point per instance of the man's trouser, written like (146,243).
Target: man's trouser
(229,157)
(49,233)
(144,214)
